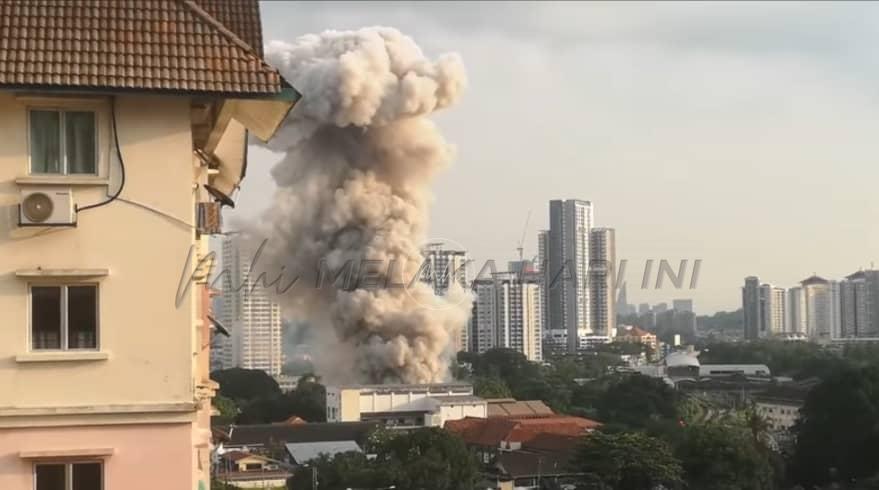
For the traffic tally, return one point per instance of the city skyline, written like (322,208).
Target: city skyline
(666,161)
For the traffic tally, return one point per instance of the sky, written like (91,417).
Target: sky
(744,135)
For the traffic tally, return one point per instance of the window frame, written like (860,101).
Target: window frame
(62,140)
(68,470)
(65,313)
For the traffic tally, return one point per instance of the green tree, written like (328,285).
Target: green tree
(307,401)
(637,400)
(424,459)
(838,430)
(626,461)
(491,387)
(723,458)
(245,384)
(430,459)
(227,407)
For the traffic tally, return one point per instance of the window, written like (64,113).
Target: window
(64,317)
(69,476)
(63,142)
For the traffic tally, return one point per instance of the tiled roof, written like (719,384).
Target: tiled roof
(493,432)
(522,464)
(266,434)
(156,45)
(507,408)
(240,17)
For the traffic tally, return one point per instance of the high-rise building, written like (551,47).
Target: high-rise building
(796,311)
(567,273)
(751,307)
(253,319)
(602,278)
(682,305)
(859,305)
(507,313)
(542,266)
(623,306)
(822,307)
(660,307)
(773,310)
(443,267)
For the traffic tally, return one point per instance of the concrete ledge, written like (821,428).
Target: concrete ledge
(60,273)
(63,356)
(62,180)
(67,453)
(136,408)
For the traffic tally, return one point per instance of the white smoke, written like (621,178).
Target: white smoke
(354,184)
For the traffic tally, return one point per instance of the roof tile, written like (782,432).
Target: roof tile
(114,44)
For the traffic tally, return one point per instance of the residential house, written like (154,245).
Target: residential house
(123,125)
(273,439)
(524,452)
(245,470)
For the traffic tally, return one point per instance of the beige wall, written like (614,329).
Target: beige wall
(160,458)
(150,341)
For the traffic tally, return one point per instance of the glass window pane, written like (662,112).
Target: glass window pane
(50,477)
(79,142)
(45,142)
(87,476)
(46,317)
(82,317)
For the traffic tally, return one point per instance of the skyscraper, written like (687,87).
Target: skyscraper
(859,304)
(602,259)
(253,319)
(822,307)
(773,310)
(796,311)
(567,273)
(751,307)
(442,268)
(507,313)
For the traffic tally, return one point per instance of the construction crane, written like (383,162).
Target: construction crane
(521,248)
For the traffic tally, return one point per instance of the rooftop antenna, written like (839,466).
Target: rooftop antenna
(521,248)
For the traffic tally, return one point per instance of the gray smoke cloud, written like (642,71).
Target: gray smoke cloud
(360,154)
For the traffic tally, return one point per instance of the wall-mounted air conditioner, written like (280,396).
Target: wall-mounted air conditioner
(46,206)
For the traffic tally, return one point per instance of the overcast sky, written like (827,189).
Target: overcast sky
(745,135)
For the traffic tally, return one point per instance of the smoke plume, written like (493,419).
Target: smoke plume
(360,154)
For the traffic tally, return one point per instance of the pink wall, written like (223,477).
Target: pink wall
(146,456)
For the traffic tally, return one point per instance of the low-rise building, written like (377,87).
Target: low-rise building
(404,405)
(636,335)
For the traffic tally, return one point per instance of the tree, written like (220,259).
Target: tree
(424,459)
(430,459)
(636,400)
(626,461)
(307,401)
(491,387)
(227,407)
(723,458)
(837,436)
(245,384)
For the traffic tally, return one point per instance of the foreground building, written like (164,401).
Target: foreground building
(121,124)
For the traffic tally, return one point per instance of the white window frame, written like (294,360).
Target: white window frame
(64,315)
(68,471)
(62,151)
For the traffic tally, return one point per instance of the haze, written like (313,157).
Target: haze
(744,134)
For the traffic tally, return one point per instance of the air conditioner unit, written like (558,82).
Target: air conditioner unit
(46,206)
